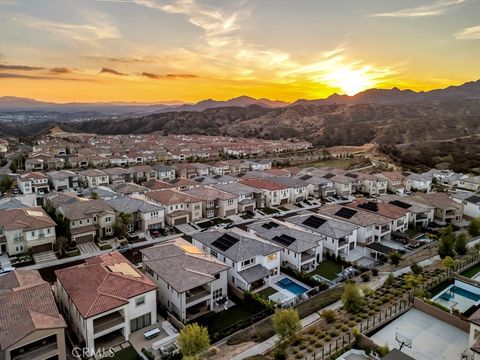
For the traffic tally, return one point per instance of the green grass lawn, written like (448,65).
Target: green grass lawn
(126,354)
(282,208)
(470,273)
(213,222)
(216,322)
(267,292)
(269,211)
(328,269)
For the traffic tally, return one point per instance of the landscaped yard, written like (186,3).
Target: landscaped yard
(216,322)
(126,354)
(328,269)
(267,292)
(269,211)
(474,270)
(213,222)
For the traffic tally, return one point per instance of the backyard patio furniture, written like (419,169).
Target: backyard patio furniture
(151,334)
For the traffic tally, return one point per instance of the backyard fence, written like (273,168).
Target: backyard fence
(365,326)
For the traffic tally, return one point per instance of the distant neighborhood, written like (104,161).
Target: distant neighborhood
(123,241)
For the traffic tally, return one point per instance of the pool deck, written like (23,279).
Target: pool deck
(432,339)
(288,295)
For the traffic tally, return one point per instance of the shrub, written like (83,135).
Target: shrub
(148,354)
(319,343)
(351,298)
(328,338)
(375,272)
(302,346)
(310,349)
(416,269)
(338,326)
(299,356)
(344,328)
(365,277)
(329,315)
(312,341)
(333,334)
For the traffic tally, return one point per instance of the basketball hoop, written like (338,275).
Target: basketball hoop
(403,341)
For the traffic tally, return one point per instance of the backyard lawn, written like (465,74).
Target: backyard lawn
(470,273)
(328,269)
(128,353)
(216,322)
(267,292)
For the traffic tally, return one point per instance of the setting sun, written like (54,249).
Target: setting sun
(350,81)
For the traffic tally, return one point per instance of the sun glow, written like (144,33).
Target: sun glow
(351,81)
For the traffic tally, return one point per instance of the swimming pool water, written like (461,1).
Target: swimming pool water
(291,286)
(457,298)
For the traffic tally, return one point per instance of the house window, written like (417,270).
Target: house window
(217,294)
(272,257)
(154,214)
(140,322)
(213,253)
(248,262)
(108,230)
(230,202)
(140,301)
(108,219)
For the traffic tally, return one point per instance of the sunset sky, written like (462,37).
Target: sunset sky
(189,50)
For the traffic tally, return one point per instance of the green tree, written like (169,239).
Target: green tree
(395,258)
(352,300)
(461,244)
(5,184)
(120,227)
(17,163)
(447,242)
(94,196)
(416,269)
(62,244)
(474,227)
(448,262)
(329,315)
(193,340)
(286,323)
(389,280)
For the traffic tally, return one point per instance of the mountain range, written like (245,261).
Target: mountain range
(372,96)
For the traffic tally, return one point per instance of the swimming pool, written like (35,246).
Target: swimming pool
(458,297)
(291,286)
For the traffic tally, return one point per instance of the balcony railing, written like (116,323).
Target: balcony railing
(197,294)
(37,353)
(307,256)
(107,322)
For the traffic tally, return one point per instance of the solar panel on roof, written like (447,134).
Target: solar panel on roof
(328,176)
(284,240)
(370,206)
(270,225)
(346,213)
(351,175)
(225,242)
(217,177)
(199,179)
(400,204)
(305,177)
(314,221)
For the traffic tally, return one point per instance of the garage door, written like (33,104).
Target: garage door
(180,221)
(249,208)
(230,212)
(84,239)
(41,248)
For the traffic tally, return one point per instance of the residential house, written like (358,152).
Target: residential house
(371,184)
(157,185)
(274,193)
(189,281)
(470,202)
(142,173)
(339,237)
(180,208)
(3,146)
(473,351)
(186,171)
(215,179)
(215,203)
(32,327)
(129,189)
(301,250)
(93,177)
(117,175)
(420,182)
(258,165)
(297,188)
(105,295)
(317,186)
(471,183)
(183,184)
(145,215)
(397,182)
(26,229)
(249,198)
(100,192)
(88,219)
(372,227)
(164,172)
(447,211)
(252,262)
(33,182)
(63,180)
(420,214)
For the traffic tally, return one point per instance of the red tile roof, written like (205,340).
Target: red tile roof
(95,289)
(263,184)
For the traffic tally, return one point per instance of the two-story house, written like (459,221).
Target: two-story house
(180,208)
(25,229)
(33,182)
(251,262)
(301,250)
(274,193)
(297,188)
(88,219)
(447,211)
(145,215)
(317,186)
(339,237)
(93,177)
(106,294)
(63,180)
(189,281)
(397,182)
(420,214)
(215,203)
(32,327)
(249,198)
(164,172)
